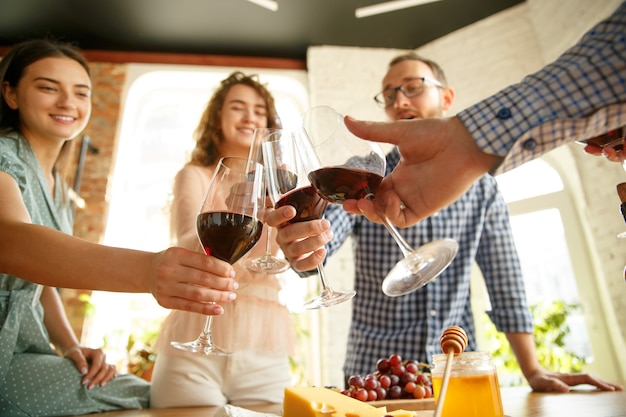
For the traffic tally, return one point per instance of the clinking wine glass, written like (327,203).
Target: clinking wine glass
(352,168)
(228,226)
(288,184)
(266,263)
(612,139)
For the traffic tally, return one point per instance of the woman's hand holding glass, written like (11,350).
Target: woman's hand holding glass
(228,226)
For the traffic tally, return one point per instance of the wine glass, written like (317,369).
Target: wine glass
(612,139)
(288,184)
(266,263)
(352,168)
(228,226)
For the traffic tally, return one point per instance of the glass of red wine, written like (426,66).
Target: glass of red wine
(288,184)
(352,168)
(228,226)
(266,263)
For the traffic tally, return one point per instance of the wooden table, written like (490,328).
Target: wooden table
(521,402)
(518,402)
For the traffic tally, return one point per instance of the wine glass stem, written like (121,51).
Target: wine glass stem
(325,287)
(268,243)
(205,336)
(404,247)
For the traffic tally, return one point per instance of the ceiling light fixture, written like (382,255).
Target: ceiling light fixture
(388,6)
(268,4)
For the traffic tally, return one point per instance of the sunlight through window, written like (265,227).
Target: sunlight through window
(161,111)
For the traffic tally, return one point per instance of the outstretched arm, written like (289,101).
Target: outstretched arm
(540,379)
(580,95)
(177,278)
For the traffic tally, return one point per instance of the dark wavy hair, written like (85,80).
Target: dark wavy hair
(208,134)
(12,67)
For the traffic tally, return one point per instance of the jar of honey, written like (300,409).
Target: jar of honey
(473,388)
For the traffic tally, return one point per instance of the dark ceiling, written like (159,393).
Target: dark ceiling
(235,27)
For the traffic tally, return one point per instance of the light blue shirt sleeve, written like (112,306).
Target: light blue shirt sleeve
(580,95)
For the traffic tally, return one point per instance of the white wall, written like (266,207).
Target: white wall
(479,60)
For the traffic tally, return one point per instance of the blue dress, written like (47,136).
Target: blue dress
(34,379)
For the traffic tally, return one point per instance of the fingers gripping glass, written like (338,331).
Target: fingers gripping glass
(352,168)
(228,226)
(411,88)
(288,184)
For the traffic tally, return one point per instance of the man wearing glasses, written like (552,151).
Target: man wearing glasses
(411,325)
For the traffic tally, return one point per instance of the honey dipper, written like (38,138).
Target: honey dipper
(453,341)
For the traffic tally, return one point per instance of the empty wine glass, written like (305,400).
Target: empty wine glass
(228,226)
(288,184)
(266,263)
(352,168)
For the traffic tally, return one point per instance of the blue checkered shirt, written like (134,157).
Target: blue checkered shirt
(411,325)
(579,96)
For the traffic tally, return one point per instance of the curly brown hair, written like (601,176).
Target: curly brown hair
(208,134)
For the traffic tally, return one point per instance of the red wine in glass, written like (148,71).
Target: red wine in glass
(228,236)
(338,184)
(228,226)
(307,202)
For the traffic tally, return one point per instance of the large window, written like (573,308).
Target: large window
(553,245)
(535,193)
(162,108)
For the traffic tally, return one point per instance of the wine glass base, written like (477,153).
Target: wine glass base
(420,267)
(267,265)
(200,348)
(329,299)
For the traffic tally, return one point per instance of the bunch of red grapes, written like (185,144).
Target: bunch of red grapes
(393,379)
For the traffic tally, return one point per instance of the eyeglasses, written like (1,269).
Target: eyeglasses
(411,88)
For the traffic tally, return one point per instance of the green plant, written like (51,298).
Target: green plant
(89,308)
(141,355)
(550,331)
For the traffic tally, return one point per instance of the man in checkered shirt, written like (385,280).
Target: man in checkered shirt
(579,96)
(412,324)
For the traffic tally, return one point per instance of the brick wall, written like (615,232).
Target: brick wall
(108,82)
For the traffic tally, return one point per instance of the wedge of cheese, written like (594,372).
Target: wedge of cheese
(322,402)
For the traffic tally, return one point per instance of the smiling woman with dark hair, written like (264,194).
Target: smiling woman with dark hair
(46,102)
(46,91)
